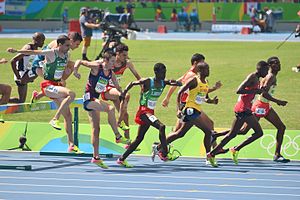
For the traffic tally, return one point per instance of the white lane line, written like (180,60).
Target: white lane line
(280,174)
(131,182)
(152,189)
(157,197)
(161,177)
(95,195)
(178,165)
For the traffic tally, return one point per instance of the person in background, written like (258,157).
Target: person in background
(194,19)
(65,20)
(86,27)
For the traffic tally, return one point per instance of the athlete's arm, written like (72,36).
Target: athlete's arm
(133,70)
(268,82)
(171,90)
(218,85)
(115,82)
(131,84)
(173,82)
(248,82)
(28,52)
(191,84)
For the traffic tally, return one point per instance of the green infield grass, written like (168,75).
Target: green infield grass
(230,62)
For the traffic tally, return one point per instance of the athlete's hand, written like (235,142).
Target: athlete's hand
(165,102)
(218,84)
(11,50)
(215,100)
(281,103)
(3,60)
(76,74)
(122,97)
(179,114)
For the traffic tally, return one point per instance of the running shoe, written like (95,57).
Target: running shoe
(74,149)
(281,159)
(123,126)
(154,151)
(211,160)
(168,157)
(55,124)
(296,69)
(99,163)
(234,154)
(124,163)
(33,97)
(123,140)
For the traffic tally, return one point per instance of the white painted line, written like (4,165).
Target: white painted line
(96,195)
(150,189)
(153,176)
(138,182)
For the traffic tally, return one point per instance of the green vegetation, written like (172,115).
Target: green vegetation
(230,62)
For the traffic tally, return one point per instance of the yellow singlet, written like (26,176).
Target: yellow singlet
(197,95)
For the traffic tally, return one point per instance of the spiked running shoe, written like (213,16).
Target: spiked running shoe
(212,160)
(154,151)
(99,163)
(33,97)
(74,149)
(124,163)
(280,159)
(168,157)
(55,124)
(234,154)
(123,126)
(123,140)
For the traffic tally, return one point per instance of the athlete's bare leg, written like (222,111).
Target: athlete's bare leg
(5,91)
(274,119)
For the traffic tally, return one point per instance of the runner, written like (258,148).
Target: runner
(100,74)
(247,90)
(262,108)
(190,115)
(75,40)
(55,64)
(152,88)
(22,67)
(111,93)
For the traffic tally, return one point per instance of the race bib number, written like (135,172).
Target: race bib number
(152,118)
(86,97)
(52,88)
(101,86)
(189,111)
(260,111)
(31,74)
(151,104)
(200,98)
(58,74)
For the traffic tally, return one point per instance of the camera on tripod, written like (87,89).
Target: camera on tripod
(96,15)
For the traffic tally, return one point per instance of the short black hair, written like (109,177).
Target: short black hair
(75,36)
(273,60)
(197,57)
(158,67)
(121,47)
(262,65)
(62,39)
